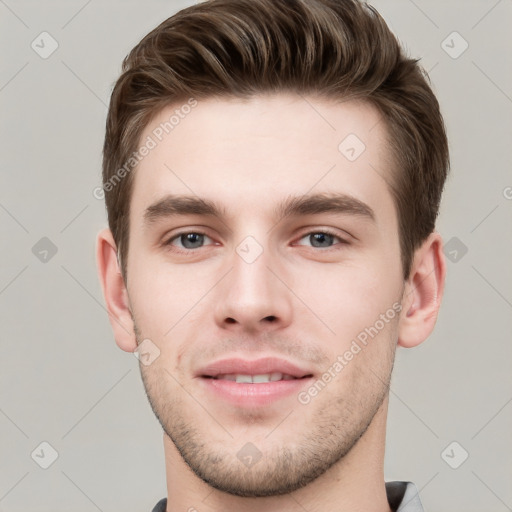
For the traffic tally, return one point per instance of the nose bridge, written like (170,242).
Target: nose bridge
(250,274)
(252,297)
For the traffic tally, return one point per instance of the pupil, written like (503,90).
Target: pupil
(191,240)
(323,239)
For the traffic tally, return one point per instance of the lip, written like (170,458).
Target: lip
(251,395)
(256,367)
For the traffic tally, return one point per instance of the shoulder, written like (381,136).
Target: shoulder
(160,506)
(403,497)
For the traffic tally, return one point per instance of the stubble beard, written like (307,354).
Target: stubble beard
(331,433)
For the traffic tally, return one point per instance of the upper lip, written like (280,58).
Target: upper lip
(256,367)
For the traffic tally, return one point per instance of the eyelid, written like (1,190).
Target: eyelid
(167,240)
(326,231)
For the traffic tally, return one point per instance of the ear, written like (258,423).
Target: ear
(114,291)
(423,292)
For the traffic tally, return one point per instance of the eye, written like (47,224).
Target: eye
(321,239)
(188,240)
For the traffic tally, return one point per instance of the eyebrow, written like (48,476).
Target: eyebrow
(311,204)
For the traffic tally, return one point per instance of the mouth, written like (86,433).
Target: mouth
(267,369)
(255,379)
(250,384)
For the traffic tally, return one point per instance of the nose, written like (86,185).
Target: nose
(253,297)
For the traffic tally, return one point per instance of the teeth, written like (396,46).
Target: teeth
(255,379)
(243,378)
(267,377)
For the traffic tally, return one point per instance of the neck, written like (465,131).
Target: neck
(355,483)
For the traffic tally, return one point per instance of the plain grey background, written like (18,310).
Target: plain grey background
(63,381)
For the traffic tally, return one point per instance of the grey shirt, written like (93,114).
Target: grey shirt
(402,497)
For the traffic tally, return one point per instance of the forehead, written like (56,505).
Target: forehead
(251,153)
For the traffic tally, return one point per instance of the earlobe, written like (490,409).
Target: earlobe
(114,291)
(423,293)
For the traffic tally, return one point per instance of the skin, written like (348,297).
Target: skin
(298,300)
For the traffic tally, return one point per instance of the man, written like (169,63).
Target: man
(272,173)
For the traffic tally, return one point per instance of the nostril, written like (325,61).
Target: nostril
(270,318)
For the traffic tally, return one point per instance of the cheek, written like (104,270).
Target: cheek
(167,298)
(349,298)
(156,305)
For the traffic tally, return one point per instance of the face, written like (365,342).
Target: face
(264,242)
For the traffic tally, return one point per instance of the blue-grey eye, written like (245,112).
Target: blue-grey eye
(321,239)
(191,240)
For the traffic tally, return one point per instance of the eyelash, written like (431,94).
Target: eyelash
(168,243)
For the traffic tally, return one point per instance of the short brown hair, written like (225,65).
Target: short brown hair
(334,49)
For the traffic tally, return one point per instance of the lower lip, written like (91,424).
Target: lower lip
(252,395)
